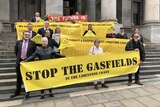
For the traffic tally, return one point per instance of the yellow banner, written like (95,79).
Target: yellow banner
(100,28)
(66,28)
(76,46)
(45,74)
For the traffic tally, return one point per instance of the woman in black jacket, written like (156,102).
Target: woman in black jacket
(45,52)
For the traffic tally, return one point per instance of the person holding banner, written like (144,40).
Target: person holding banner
(36,18)
(23,49)
(51,42)
(135,30)
(45,52)
(57,36)
(89,30)
(122,34)
(111,35)
(96,49)
(137,45)
(32,33)
(46,27)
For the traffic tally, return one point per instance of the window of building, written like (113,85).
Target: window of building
(69,7)
(137,13)
(119,11)
(27,8)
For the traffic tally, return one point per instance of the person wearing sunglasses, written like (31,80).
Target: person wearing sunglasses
(136,45)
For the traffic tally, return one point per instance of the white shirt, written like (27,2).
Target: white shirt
(38,19)
(46,28)
(95,50)
(56,37)
(30,34)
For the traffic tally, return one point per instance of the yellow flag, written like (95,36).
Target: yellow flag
(37,39)
(65,43)
(89,34)
(110,30)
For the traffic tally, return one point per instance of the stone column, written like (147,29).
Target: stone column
(91,9)
(5,10)
(54,7)
(126,13)
(152,11)
(108,9)
(14,10)
(151,27)
(79,6)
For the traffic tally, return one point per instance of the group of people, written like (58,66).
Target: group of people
(120,35)
(26,50)
(47,17)
(135,44)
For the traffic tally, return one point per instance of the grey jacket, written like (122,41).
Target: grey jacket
(45,53)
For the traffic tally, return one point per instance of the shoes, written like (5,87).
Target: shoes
(96,86)
(14,95)
(104,85)
(26,96)
(129,83)
(42,98)
(51,95)
(138,82)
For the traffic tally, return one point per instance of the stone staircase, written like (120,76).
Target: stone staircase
(150,68)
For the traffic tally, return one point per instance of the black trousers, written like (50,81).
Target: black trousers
(19,79)
(136,76)
(50,91)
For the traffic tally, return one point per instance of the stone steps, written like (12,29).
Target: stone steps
(153,56)
(151,53)
(152,50)
(7,70)
(7,53)
(8,90)
(11,88)
(7,64)
(8,79)
(7,75)
(150,67)
(151,63)
(7,82)
(7,56)
(153,59)
(7,60)
(8,36)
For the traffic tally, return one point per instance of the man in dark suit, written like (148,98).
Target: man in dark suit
(23,49)
(51,42)
(36,18)
(122,34)
(137,45)
(46,27)
(32,33)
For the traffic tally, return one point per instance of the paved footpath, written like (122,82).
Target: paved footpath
(118,95)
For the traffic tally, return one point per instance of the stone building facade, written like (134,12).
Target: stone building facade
(144,14)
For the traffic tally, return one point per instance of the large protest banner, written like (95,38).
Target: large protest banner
(75,18)
(76,46)
(101,28)
(66,28)
(45,74)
